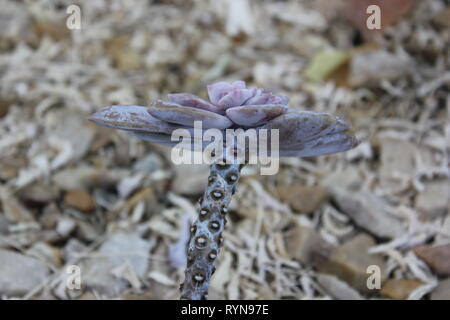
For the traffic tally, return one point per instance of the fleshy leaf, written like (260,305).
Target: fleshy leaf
(175,113)
(236,97)
(134,118)
(327,144)
(267,98)
(301,133)
(255,115)
(238,84)
(191,100)
(297,127)
(218,90)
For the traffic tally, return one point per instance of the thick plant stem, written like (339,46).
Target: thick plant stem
(206,232)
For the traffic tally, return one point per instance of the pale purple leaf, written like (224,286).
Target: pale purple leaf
(218,90)
(327,144)
(255,115)
(191,100)
(299,126)
(236,97)
(238,84)
(175,113)
(134,118)
(267,98)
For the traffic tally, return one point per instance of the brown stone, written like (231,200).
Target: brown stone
(10,166)
(123,56)
(350,261)
(84,177)
(383,65)
(397,157)
(302,198)
(55,31)
(97,269)
(438,257)
(337,288)
(443,18)
(20,273)
(345,178)
(39,192)
(80,200)
(434,201)
(50,216)
(306,245)
(190,179)
(13,209)
(442,291)
(399,289)
(4,107)
(146,194)
(8,171)
(369,212)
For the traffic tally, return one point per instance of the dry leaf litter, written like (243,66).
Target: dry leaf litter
(72,193)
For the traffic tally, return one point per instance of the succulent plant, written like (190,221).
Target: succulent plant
(231,106)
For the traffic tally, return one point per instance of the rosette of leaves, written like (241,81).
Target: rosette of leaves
(231,106)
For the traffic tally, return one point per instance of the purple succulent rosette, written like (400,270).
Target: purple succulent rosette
(231,106)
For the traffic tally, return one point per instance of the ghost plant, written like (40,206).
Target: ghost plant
(231,106)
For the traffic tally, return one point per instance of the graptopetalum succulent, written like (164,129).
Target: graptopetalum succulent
(232,105)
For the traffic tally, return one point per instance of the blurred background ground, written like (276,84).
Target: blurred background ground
(72,193)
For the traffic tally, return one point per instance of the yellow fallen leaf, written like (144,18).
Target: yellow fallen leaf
(324,63)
